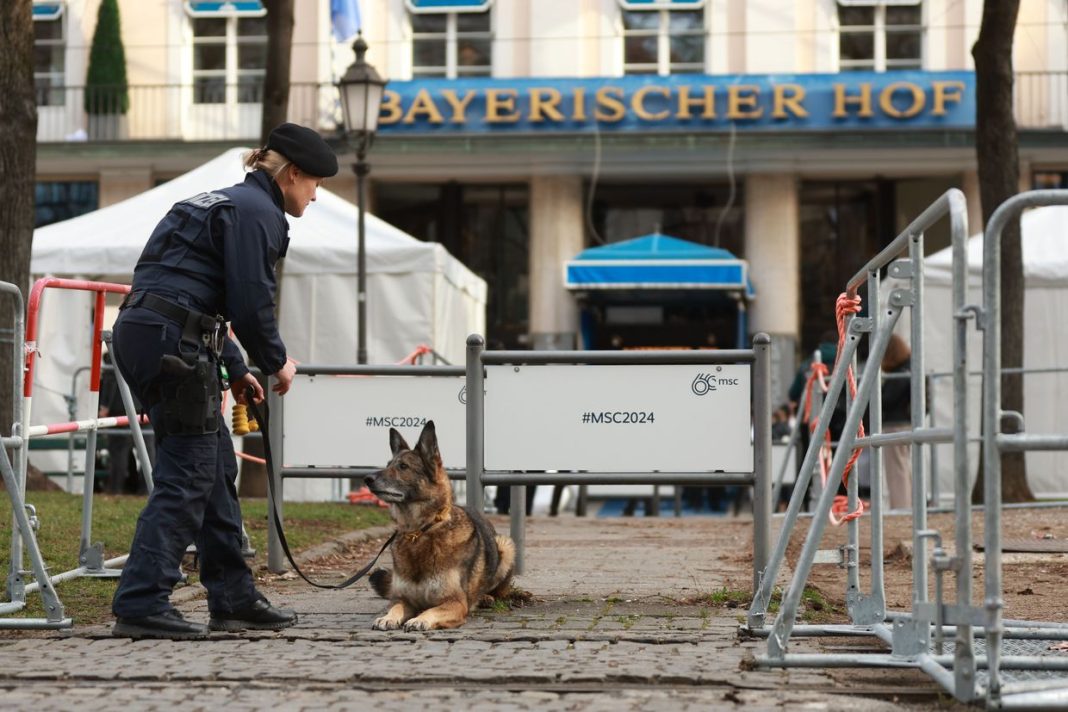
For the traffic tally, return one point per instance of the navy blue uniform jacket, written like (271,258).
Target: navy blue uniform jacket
(216,253)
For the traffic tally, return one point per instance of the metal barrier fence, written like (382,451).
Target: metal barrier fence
(339,463)
(23,528)
(918,638)
(749,432)
(90,555)
(931,472)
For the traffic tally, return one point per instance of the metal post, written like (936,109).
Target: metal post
(874,609)
(963,654)
(276,560)
(476,408)
(761,456)
(72,414)
(517,517)
(919,409)
(140,448)
(89,555)
(362,169)
(19,426)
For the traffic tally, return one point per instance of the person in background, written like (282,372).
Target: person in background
(897,417)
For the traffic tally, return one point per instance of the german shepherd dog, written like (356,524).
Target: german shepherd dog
(446,559)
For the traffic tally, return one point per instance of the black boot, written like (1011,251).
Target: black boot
(260,615)
(168,624)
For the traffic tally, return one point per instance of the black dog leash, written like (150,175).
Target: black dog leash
(264,429)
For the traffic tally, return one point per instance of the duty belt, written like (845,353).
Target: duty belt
(197,328)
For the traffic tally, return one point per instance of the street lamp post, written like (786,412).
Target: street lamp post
(361,96)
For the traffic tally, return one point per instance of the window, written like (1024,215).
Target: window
(61,200)
(229,51)
(877,35)
(486,228)
(451,39)
(49,53)
(663,36)
(1047,180)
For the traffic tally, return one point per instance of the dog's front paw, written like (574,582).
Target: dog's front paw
(386,623)
(416,624)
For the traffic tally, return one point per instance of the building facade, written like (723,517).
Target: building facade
(800,135)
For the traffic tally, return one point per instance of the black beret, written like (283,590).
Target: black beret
(305,148)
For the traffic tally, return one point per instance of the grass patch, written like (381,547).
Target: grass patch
(814,607)
(114,519)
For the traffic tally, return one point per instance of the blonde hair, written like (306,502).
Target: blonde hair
(897,353)
(267,160)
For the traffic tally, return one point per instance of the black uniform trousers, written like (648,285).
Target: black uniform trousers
(193,499)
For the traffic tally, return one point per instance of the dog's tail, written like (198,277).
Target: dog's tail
(381,581)
(501,583)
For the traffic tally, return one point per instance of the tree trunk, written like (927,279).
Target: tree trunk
(999,180)
(279,53)
(18,158)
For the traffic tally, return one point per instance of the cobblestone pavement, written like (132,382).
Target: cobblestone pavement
(614,624)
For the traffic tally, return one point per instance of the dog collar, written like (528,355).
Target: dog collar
(440,517)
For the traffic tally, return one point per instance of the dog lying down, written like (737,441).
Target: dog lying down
(446,559)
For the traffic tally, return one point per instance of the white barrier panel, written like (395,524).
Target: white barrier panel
(655,418)
(344,421)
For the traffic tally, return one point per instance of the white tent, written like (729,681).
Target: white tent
(417,292)
(1045,261)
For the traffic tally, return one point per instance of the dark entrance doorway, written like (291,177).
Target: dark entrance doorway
(843,225)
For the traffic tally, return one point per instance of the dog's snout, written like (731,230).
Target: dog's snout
(370,479)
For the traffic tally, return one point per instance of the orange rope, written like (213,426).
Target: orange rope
(846,306)
(420,350)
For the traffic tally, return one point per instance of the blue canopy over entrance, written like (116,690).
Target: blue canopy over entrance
(686,281)
(657,262)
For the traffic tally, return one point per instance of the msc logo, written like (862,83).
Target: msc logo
(704,383)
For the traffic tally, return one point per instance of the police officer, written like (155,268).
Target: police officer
(210,260)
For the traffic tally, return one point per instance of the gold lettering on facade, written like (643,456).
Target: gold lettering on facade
(609,98)
(841,100)
(390,110)
(423,105)
(578,104)
(637,102)
(545,100)
(742,102)
(707,102)
(458,105)
(787,98)
(886,100)
(946,91)
(500,106)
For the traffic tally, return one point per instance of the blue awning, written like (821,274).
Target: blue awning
(657,262)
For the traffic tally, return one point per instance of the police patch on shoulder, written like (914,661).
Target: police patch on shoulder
(207,200)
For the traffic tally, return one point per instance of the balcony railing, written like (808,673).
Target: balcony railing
(232,112)
(1041,100)
(174,112)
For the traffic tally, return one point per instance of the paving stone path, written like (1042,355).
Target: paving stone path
(615,623)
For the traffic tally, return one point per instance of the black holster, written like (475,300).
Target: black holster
(190,396)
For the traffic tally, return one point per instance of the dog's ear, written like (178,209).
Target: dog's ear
(396,441)
(427,447)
